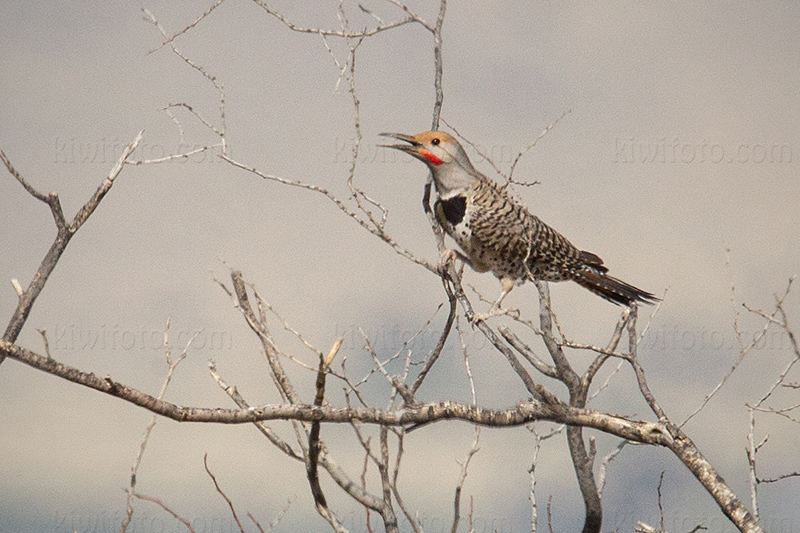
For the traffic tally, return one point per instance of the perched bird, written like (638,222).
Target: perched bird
(498,233)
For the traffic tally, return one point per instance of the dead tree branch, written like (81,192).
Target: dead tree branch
(65,233)
(639,431)
(222,493)
(171,366)
(164,506)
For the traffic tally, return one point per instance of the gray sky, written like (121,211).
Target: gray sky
(682,140)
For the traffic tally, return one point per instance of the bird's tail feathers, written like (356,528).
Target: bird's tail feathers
(593,261)
(613,289)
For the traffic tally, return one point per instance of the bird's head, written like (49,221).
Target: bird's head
(436,149)
(444,156)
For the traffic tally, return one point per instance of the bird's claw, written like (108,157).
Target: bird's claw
(447,258)
(493,312)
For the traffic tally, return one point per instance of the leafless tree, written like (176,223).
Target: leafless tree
(380,432)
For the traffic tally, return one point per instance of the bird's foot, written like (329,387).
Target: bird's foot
(447,258)
(494,311)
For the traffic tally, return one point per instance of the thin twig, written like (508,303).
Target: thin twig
(743,349)
(364,483)
(218,86)
(537,444)
(43,333)
(262,427)
(660,505)
(366,224)
(751,463)
(476,148)
(164,506)
(779,478)
(171,366)
(604,464)
(333,33)
(531,145)
(222,493)
(527,352)
(437,351)
(188,27)
(464,472)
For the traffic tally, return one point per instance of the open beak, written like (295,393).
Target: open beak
(412,147)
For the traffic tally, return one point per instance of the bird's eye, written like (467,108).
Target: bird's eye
(435,141)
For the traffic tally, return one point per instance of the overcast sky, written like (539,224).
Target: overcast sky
(682,140)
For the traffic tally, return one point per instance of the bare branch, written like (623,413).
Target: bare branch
(437,62)
(531,145)
(342,207)
(527,352)
(194,112)
(222,493)
(281,514)
(262,427)
(437,351)
(259,327)
(743,349)
(609,351)
(460,486)
(583,463)
(473,449)
(173,157)
(164,506)
(65,233)
(315,445)
(395,487)
(751,462)
(644,388)
(364,480)
(255,522)
(387,512)
(604,464)
(88,208)
(188,27)
(218,86)
(683,447)
(325,459)
(660,505)
(784,324)
(436,30)
(333,33)
(582,460)
(397,383)
(50,199)
(546,319)
(43,333)
(641,527)
(538,392)
(476,148)
(17,287)
(537,444)
(522,414)
(171,366)
(779,478)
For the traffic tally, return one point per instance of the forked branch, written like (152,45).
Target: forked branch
(65,233)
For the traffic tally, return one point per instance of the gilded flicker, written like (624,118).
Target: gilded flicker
(497,233)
